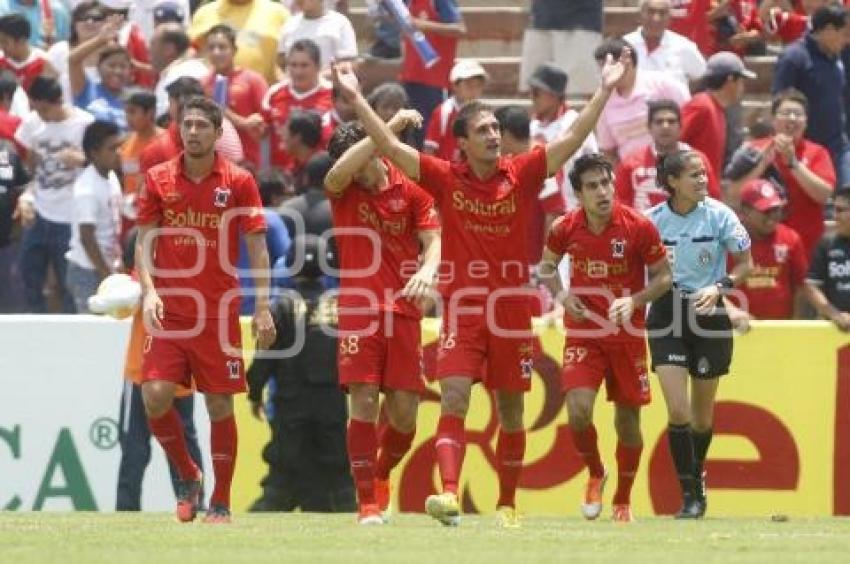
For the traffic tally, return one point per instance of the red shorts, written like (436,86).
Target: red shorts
(482,351)
(197,355)
(622,364)
(383,349)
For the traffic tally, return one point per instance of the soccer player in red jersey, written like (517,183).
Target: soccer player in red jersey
(485,202)
(304,89)
(191,214)
(380,216)
(611,248)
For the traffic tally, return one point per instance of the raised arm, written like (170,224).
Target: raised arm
(561,149)
(78,55)
(344,169)
(403,156)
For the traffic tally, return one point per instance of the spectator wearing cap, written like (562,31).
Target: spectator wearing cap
(663,50)
(147,14)
(47,25)
(622,128)
(828,282)
(468,79)
(237,90)
(172,59)
(258,24)
(801,168)
(552,117)
(331,31)
(443,26)
(774,287)
(565,33)
(704,121)
(812,66)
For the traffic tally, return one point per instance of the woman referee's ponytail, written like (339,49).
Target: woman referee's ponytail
(672,164)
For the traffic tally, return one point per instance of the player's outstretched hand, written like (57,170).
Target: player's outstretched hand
(621,310)
(614,71)
(262,327)
(345,80)
(152,310)
(706,300)
(740,320)
(574,307)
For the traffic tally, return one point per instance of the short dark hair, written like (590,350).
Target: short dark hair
(8,85)
(789,95)
(271,182)
(82,9)
(717,81)
(460,128)
(316,169)
(184,87)
(584,163)
(344,137)
(222,29)
(178,38)
(831,14)
(310,47)
(842,192)
(655,106)
(207,107)
(387,93)
(45,89)
(111,50)
(141,98)
(673,164)
(515,120)
(96,135)
(307,125)
(15,26)
(614,47)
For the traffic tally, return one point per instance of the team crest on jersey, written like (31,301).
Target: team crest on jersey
(233,367)
(704,257)
(780,252)
(527,367)
(618,248)
(221,196)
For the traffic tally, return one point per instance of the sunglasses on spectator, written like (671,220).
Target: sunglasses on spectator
(93,17)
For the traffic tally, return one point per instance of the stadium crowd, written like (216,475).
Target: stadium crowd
(92,96)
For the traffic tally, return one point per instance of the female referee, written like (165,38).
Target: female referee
(689,330)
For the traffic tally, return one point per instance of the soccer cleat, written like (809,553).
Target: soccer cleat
(217,515)
(692,508)
(622,514)
(507,517)
(369,514)
(382,496)
(701,492)
(189,498)
(592,506)
(444,508)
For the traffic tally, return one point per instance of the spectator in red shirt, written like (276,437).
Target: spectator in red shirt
(691,19)
(303,89)
(774,287)
(239,91)
(787,25)
(8,123)
(801,167)
(704,117)
(468,80)
(16,54)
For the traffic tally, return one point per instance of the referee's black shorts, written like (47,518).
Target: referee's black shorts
(680,337)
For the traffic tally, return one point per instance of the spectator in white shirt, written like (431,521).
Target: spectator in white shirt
(659,49)
(95,248)
(331,31)
(170,57)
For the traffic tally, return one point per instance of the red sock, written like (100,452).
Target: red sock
(585,442)
(394,445)
(223,440)
(451,448)
(510,451)
(362,449)
(168,430)
(628,460)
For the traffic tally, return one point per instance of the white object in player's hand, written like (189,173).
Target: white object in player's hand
(117,296)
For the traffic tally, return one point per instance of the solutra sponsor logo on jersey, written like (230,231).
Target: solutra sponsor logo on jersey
(395,226)
(487,209)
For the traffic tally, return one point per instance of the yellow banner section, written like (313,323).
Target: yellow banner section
(781,443)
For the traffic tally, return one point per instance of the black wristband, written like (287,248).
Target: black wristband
(725,284)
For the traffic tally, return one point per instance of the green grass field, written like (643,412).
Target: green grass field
(155,538)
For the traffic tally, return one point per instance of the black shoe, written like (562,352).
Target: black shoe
(692,508)
(701,492)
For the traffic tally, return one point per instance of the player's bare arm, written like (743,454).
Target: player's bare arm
(660,282)
(561,149)
(403,156)
(421,285)
(340,176)
(548,273)
(262,325)
(709,296)
(152,309)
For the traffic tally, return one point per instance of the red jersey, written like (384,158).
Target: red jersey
(485,222)
(246,90)
(396,214)
(779,270)
(206,228)
(412,68)
(690,18)
(279,101)
(704,128)
(787,26)
(25,71)
(634,179)
(330,121)
(131,38)
(439,137)
(164,147)
(608,265)
(803,214)
(8,126)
